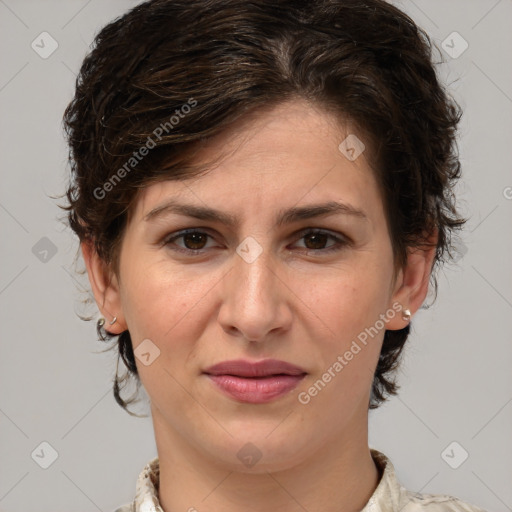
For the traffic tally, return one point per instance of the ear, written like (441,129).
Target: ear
(105,288)
(411,286)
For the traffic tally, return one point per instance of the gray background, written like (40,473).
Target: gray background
(56,385)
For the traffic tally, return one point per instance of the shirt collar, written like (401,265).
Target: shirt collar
(387,497)
(146,493)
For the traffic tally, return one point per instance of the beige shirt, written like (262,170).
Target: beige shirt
(389,496)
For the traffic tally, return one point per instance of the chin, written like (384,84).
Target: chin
(261,452)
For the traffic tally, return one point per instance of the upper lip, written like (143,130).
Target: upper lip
(243,368)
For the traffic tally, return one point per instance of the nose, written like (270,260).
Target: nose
(255,298)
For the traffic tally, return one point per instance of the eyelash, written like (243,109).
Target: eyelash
(340,242)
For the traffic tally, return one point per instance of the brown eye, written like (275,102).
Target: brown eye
(317,239)
(194,241)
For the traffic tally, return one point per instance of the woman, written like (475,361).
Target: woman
(263,192)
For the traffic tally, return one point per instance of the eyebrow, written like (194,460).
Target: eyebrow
(289,216)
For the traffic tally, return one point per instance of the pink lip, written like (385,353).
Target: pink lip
(264,368)
(256,390)
(257,382)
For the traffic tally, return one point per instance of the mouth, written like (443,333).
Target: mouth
(255,382)
(256,390)
(258,369)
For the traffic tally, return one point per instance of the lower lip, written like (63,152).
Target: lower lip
(256,390)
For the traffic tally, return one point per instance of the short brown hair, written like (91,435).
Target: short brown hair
(363,60)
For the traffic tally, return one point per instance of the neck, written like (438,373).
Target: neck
(339,477)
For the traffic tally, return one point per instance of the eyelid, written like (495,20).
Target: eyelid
(323,231)
(341,240)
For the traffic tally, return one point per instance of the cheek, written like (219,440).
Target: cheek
(351,299)
(159,306)
(162,302)
(352,311)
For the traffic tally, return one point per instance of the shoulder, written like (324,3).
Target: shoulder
(146,490)
(128,507)
(390,495)
(416,502)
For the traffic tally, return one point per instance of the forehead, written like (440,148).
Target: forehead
(286,154)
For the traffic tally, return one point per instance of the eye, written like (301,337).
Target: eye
(195,240)
(318,237)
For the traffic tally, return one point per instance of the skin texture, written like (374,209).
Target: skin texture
(294,302)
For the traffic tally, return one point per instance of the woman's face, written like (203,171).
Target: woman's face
(258,289)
